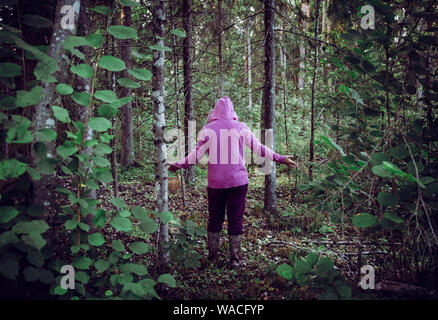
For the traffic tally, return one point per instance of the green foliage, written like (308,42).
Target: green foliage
(319,274)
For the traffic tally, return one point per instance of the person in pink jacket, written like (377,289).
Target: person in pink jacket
(224,138)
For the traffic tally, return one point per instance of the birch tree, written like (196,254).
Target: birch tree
(270,201)
(43,190)
(159,123)
(188,85)
(126,114)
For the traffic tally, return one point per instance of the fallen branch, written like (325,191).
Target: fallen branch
(398,287)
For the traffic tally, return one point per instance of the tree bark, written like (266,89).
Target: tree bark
(126,114)
(270,201)
(220,48)
(188,86)
(175,71)
(161,174)
(312,111)
(43,189)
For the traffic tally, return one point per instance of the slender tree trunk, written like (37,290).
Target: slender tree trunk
(312,111)
(305,8)
(126,114)
(270,203)
(284,81)
(220,48)
(161,174)
(188,86)
(249,64)
(113,142)
(84,84)
(43,189)
(175,71)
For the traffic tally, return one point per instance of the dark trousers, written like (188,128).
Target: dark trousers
(234,200)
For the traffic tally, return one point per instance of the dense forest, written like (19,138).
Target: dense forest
(98,97)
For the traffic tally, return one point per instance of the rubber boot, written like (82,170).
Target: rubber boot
(234,251)
(213,244)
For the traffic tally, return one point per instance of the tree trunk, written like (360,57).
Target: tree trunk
(220,48)
(113,142)
(126,114)
(188,86)
(312,111)
(175,71)
(284,80)
(161,174)
(43,189)
(305,8)
(249,71)
(270,203)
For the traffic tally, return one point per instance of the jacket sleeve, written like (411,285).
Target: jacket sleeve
(254,144)
(196,154)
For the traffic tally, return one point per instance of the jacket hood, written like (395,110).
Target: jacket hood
(223,110)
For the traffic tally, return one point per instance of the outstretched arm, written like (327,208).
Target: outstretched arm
(261,150)
(194,156)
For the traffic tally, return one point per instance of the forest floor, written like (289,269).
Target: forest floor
(267,242)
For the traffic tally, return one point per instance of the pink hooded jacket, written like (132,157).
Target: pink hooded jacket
(224,137)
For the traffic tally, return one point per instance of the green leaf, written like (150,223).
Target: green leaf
(7,213)
(137,269)
(139,247)
(111,63)
(387,199)
(64,89)
(83,70)
(118,246)
(94,40)
(167,279)
(364,220)
(8,237)
(119,203)
(34,226)
(99,218)
(102,10)
(101,265)
(149,225)
(344,291)
(99,124)
(141,74)
(11,168)
(104,176)
(331,143)
(102,149)
(181,33)
(29,98)
(36,21)
(96,239)
(381,171)
(129,3)
(66,150)
(123,32)
(82,263)
(34,240)
(399,152)
(164,216)
(394,218)
(106,95)
(121,224)
(160,48)
(45,135)
(71,224)
(124,213)
(82,98)
(128,83)
(82,277)
(10,70)
(379,157)
(101,162)
(36,258)
(285,271)
(31,274)
(61,114)
(324,265)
